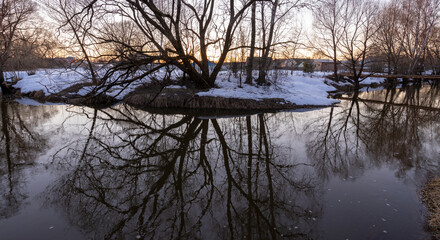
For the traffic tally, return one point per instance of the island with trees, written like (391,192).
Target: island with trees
(249,54)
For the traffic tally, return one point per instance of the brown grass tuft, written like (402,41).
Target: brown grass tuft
(431,197)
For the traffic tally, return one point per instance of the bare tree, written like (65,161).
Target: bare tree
(250,60)
(358,30)
(344,30)
(328,29)
(433,53)
(13,14)
(387,38)
(76,18)
(267,38)
(33,48)
(272,31)
(274,17)
(419,17)
(184,34)
(407,33)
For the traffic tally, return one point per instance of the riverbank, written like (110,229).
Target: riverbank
(286,90)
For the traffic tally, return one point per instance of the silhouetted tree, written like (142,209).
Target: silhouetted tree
(13,14)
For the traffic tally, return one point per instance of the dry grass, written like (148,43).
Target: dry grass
(431,197)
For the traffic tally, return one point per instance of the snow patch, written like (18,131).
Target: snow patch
(297,87)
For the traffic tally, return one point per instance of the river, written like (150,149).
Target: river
(352,171)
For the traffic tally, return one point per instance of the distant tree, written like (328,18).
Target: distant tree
(273,14)
(344,29)
(309,67)
(406,34)
(318,55)
(289,49)
(420,18)
(433,52)
(13,15)
(388,35)
(33,48)
(242,39)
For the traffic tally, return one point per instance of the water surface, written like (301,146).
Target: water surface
(353,171)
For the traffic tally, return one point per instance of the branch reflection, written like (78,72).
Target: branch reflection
(181,177)
(394,126)
(20,143)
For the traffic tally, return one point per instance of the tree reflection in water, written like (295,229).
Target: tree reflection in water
(181,177)
(20,143)
(394,126)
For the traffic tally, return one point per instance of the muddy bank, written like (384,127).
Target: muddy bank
(184,98)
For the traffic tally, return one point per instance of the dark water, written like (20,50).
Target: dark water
(353,171)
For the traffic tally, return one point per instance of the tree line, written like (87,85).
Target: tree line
(198,37)
(398,37)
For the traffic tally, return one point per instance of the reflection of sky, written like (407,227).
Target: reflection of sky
(36,221)
(375,205)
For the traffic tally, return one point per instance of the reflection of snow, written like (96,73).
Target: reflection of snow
(31,102)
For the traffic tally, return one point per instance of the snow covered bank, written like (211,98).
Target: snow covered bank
(49,80)
(295,88)
(52,81)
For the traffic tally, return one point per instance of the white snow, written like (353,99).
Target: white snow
(50,80)
(299,88)
(55,80)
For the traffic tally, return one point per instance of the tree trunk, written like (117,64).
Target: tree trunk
(266,49)
(3,85)
(335,43)
(250,62)
(335,68)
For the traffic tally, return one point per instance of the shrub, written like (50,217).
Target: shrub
(309,67)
